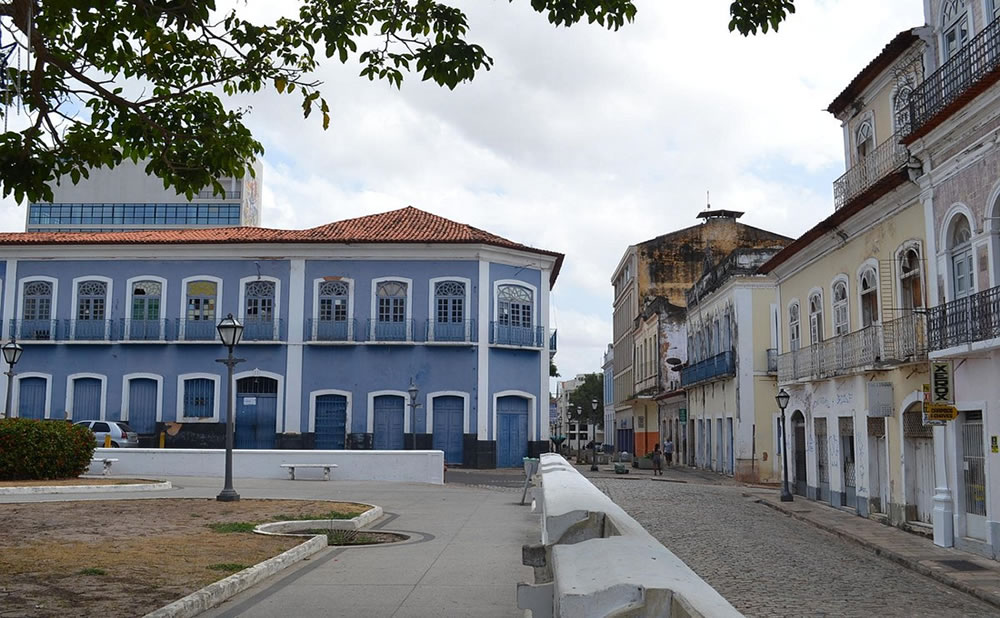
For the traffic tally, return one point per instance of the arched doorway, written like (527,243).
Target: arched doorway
(448,417)
(799,446)
(142,398)
(331,421)
(389,414)
(918,466)
(256,412)
(512,431)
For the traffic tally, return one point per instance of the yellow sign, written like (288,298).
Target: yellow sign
(927,393)
(941,413)
(994,447)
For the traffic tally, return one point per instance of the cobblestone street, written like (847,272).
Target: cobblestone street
(768,564)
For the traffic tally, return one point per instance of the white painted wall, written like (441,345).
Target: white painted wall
(399,466)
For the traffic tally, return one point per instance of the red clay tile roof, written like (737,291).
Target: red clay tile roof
(405,226)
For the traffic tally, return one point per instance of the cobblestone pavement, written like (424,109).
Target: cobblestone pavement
(768,564)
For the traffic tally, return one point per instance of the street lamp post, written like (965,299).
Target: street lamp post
(11,353)
(230,330)
(593,443)
(579,417)
(782,398)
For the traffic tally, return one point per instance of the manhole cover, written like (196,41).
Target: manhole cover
(961,565)
(358,537)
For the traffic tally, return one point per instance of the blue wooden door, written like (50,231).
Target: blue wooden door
(86,399)
(256,412)
(512,431)
(31,398)
(142,405)
(331,421)
(389,423)
(449,413)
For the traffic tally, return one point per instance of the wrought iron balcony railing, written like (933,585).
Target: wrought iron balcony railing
(390,331)
(196,330)
(553,342)
(332,330)
(969,319)
(35,330)
(888,157)
(954,81)
(131,329)
(463,331)
(261,329)
(718,366)
(901,340)
(521,336)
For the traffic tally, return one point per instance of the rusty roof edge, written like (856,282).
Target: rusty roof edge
(890,52)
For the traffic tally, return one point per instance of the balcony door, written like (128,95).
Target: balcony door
(961,259)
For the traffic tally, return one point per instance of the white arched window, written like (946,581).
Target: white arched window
(901,107)
(869,298)
(960,247)
(794,327)
(864,140)
(841,313)
(910,279)
(954,27)
(815,318)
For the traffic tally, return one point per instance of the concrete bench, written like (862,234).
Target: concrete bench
(107,461)
(291,468)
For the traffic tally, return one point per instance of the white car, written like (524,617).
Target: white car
(121,434)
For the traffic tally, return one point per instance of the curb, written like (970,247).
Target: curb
(278,528)
(899,559)
(214,594)
(83,489)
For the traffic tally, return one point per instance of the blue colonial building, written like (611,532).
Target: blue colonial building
(340,320)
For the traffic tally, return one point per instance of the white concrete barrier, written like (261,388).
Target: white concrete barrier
(596,560)
(402,466)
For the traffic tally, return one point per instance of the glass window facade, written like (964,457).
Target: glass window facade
(118,217)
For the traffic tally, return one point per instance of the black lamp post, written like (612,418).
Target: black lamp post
(593,442)
(414,392)
(230,330)
(782,398)
(11,354)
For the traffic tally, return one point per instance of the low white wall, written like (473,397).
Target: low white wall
(403,466)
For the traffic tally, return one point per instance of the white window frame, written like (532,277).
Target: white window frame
(15,398)
(794,343)
(314,395)
(180,398)
(816,336)
(374,307)
(104,392)
(868,120)
(965,14)
(870,264)
(129,284)
(432,304)
(841,278)
(495,317)
(109,295)
(317,282)
(429,407)
(950,252)
(19,316)
(182,316)
(277,301)
(916,245)
(126,401)
(407,413)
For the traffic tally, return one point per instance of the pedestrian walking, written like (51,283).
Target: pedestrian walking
(668,451)
(657,460)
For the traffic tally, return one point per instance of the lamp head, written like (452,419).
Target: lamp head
(782,398)
(12,352)
(230,330)
(414,392)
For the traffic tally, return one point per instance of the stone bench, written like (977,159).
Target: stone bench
(291,468)
(107,461)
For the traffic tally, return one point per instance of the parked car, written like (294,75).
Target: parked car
(121,434)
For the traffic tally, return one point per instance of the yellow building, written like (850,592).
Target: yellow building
(853,339)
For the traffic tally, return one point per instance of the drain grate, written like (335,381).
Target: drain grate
(961,565)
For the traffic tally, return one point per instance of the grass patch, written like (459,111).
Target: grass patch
(92,571)
(327,515)
(228,567)
(232,526)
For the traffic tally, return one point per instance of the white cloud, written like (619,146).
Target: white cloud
(584,141)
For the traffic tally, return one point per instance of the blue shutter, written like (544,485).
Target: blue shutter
(449,412)
(142,397)
(86,399)
(31,398)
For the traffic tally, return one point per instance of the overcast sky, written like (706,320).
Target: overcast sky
(585,141)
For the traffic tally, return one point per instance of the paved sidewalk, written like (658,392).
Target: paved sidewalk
(463,558)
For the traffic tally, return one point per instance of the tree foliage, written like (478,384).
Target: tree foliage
(581,400)
(109,80)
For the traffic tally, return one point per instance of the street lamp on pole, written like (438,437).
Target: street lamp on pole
(782,398)
(230,330)
(11,354)
(593,443)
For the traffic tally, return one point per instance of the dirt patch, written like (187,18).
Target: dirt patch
(129,557)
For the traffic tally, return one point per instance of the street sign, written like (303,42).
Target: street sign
(941,413)
(683,413)
(927,393)
(942,383)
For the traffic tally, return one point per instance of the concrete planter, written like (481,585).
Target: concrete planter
(643,464)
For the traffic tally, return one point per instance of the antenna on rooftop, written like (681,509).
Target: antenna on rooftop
(708,200)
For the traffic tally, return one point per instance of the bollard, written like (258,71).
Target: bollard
(107,440)
(163,438)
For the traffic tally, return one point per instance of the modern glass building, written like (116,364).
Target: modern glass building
(126,199)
